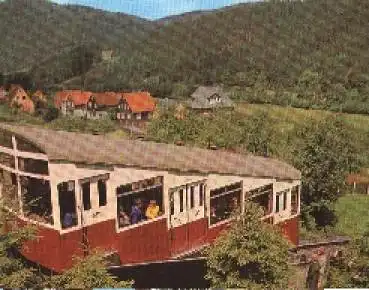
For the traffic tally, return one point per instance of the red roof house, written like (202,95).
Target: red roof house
(77,97)
(3,95)
(136,107)
(18,98)
(139,102)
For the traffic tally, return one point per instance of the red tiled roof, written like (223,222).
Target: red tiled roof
(76,96)
(13,88)
(357,178)
(108,98)
(140,101)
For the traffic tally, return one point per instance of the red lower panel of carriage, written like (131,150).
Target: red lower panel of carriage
(145,243)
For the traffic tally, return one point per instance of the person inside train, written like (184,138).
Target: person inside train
(136,213)
(152,210)
(123,218)
(68,220)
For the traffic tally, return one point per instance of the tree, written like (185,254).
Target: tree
(88,273)
(351,269)
(325,157)
(258,133)
(13,272)
(250,255)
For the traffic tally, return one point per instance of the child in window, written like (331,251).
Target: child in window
(152,210)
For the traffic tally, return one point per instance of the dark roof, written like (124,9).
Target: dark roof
(94,150)
(202,94)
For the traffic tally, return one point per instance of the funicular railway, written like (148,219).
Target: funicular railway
(137,201)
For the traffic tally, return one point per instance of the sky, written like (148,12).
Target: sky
(154,9)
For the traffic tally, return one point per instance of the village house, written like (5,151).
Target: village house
(3,95)
(138,201)
(129,108)
(88,105)
(40,100)
(18,98)
(206,99)
(136,108)
(359,182)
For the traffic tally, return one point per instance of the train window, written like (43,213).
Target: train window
(33,166)
(263,197)
(281,201)
(67,204)
(181,193)
(277,198)
(101,186)
(144,202)
(9,189)
(295,200)
(26,146)
(6,139)
(202,193)
(192,196)
(7,160)
(86,196)
(36,196)
(223,203)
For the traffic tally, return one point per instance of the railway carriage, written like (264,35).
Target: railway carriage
(140,201)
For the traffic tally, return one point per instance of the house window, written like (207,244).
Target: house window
(140,201)
(86,196)
(67,204)
(192,196)
(101,186)
(138,116)
(224,201)
(128,116)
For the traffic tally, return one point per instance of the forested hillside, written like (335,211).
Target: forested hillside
(304,54)
(39,36)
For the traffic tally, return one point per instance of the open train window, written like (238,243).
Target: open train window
(86,196)
(67,204)
(224,201)
(139,201)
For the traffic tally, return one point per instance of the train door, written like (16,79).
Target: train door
(178,221)
(187,213)
(197,223)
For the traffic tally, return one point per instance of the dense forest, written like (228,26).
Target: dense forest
(310,54)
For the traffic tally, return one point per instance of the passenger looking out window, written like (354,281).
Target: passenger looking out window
(136,213)
(152,210)
(69,220)
(124,219)
(140,201)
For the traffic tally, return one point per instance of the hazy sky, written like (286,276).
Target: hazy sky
(154,9)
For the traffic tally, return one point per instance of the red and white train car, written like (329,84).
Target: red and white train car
(86,192)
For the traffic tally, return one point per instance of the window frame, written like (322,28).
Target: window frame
(215,196)
(105,192)
(158,183)
(89,196)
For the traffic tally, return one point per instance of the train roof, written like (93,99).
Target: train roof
(87,149)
